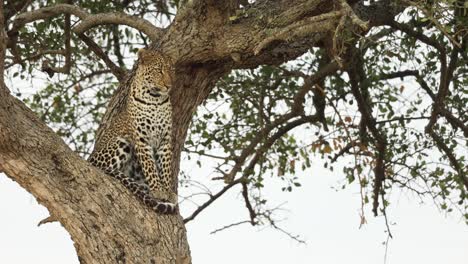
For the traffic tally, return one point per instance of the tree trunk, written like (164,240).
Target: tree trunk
(106,222)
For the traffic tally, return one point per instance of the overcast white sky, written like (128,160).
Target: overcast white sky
(327,219)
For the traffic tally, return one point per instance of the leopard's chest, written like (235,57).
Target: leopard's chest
(154,124)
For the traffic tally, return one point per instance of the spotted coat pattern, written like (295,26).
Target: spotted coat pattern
(137,147)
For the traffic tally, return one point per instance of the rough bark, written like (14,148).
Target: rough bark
(107,224)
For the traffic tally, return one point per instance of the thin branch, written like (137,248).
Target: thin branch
(229,226)
(418,35)
(49,219)
(47,12)
(116,46)
(245,194)
(116,70)
(451,156)
(293,237)
(344,150)
(455,122)
(384,211)
(398,74)
(401,119)
(425,86)
(211,200)
(205,154)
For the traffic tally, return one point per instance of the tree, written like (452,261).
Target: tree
(379,85)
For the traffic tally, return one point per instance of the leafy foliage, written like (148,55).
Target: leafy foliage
(404,63)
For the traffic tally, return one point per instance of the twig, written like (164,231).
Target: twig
(229,226)
(389,232)
(293,237)
(385,215)
(205,154)
(211,200)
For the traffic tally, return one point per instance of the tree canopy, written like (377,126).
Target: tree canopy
(379,95)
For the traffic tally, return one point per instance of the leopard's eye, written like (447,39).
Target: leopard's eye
(155,91)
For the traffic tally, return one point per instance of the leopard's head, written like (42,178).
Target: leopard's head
(153,76)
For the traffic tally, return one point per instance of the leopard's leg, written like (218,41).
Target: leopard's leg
(112,159)
(163,158)
(144,154)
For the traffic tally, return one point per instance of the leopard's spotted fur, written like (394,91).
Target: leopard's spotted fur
(136,148)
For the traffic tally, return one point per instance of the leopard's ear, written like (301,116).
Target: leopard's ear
(141,54)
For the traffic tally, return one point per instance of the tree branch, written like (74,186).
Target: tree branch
(357,78)
(438,107)
(296,110)
(258,33)
(116,70)
(87,20)
(398,74)
(418,35)
(248,205)
(143,25)
(211,200)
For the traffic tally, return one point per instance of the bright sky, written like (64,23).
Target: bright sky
(327,219)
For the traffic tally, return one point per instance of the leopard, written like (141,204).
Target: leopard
(136,147)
